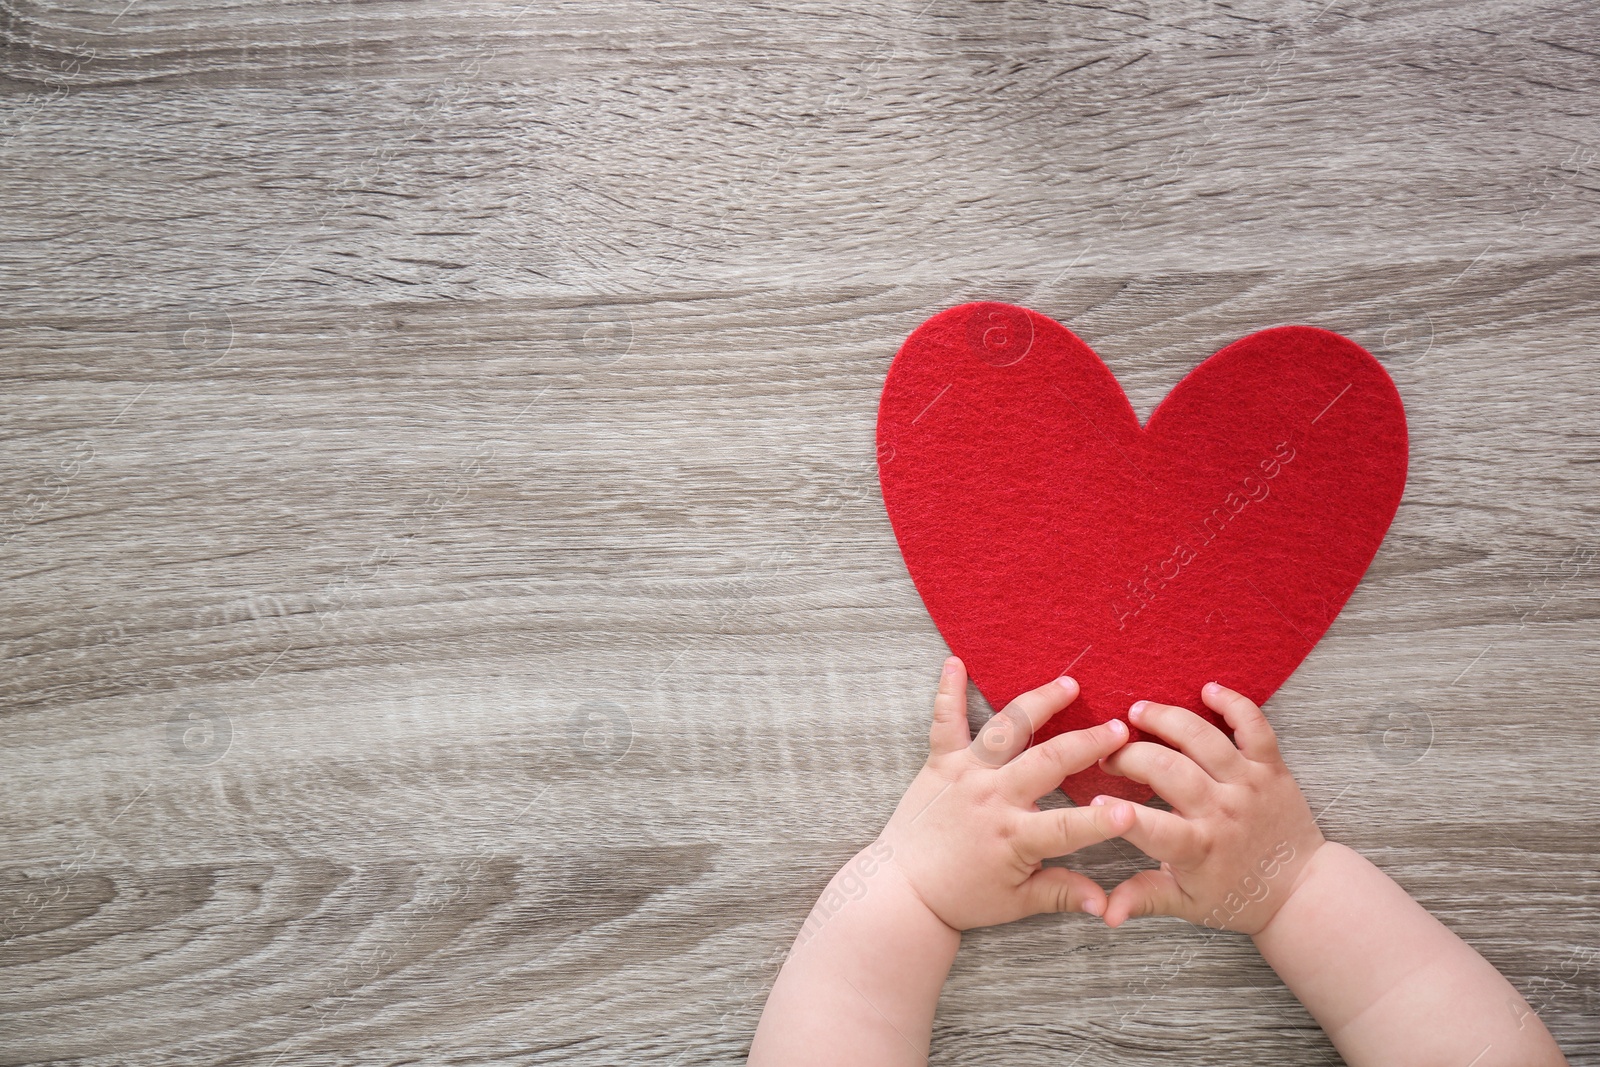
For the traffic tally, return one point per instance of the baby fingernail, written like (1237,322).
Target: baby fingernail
(1119,727)
(950,665)
(1067,682)
(1121,811)
(1137,710)
(1097,801)
(1094,907)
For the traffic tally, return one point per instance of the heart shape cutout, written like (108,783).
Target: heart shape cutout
(1049,533)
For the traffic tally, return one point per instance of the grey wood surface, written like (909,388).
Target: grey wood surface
(449,615)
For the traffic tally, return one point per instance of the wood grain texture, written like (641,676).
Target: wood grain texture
(450,616)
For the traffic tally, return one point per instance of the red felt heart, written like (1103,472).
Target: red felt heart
(1048,532)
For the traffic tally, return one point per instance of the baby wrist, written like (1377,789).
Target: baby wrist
(1316,867)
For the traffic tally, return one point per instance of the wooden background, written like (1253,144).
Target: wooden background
(449,615)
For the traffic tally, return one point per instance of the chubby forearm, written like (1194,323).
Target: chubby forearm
(863,978)
(1388,982)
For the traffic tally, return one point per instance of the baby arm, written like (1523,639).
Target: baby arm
(963,849)
(1387,981)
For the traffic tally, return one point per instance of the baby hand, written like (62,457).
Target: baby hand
(967,835)
(1240,834)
